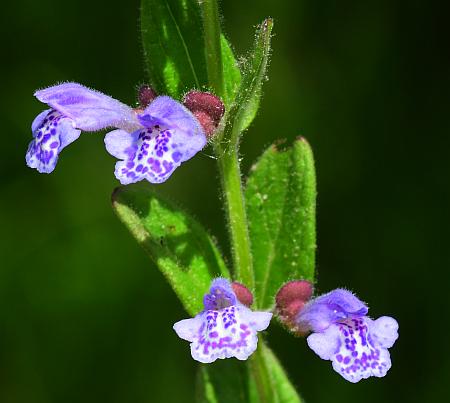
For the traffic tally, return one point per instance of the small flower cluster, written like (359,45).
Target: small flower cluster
(150,143)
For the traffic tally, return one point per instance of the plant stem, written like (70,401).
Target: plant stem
(228,159)
(211,26)
(230,173)
(237,218)
(261,374)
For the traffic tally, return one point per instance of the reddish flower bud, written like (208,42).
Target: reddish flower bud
(146,95)
(290,300)
(208,109)
(243,294)
(294,290)
(206,122)
(293,308)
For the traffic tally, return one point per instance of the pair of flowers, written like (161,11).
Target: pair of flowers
(341,330)
(150,143)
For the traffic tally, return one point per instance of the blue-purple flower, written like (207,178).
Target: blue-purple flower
(225,328)
(151,143)
(169,135)
(356,345)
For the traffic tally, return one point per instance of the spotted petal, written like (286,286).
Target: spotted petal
(52,132)
(165,112)
(153,153)
(351,348)
(90,110)
(225,333)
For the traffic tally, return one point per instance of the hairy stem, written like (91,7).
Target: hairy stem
(261,374)
(230,174)
(228,159)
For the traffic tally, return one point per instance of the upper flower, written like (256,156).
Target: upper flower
(169,135)
(225,328)
(342,333)
(153,143)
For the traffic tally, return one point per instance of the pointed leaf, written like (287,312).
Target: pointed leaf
(246,104)
(178,244)
(173,45)
(254,75)
(281,199)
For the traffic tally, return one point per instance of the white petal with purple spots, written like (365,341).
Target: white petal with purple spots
(52,132)
(169,135)
(225,328)
(225,333)
(150,153)
(352,350)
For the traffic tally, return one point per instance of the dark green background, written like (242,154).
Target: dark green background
(84,317)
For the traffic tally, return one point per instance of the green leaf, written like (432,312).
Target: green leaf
(235,381)
(254,75)
(173,45)
(247,100)
(281,206)
(231,72)
(178,244)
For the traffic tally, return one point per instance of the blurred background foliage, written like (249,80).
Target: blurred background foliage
(84,317)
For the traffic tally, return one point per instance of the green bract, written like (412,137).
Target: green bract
(247,100)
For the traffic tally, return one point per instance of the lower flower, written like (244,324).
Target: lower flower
(356,345)
(225,328)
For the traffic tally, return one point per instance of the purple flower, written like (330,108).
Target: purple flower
(356,345)
(225,328)
(169,135)
(152,143)
(73,108)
